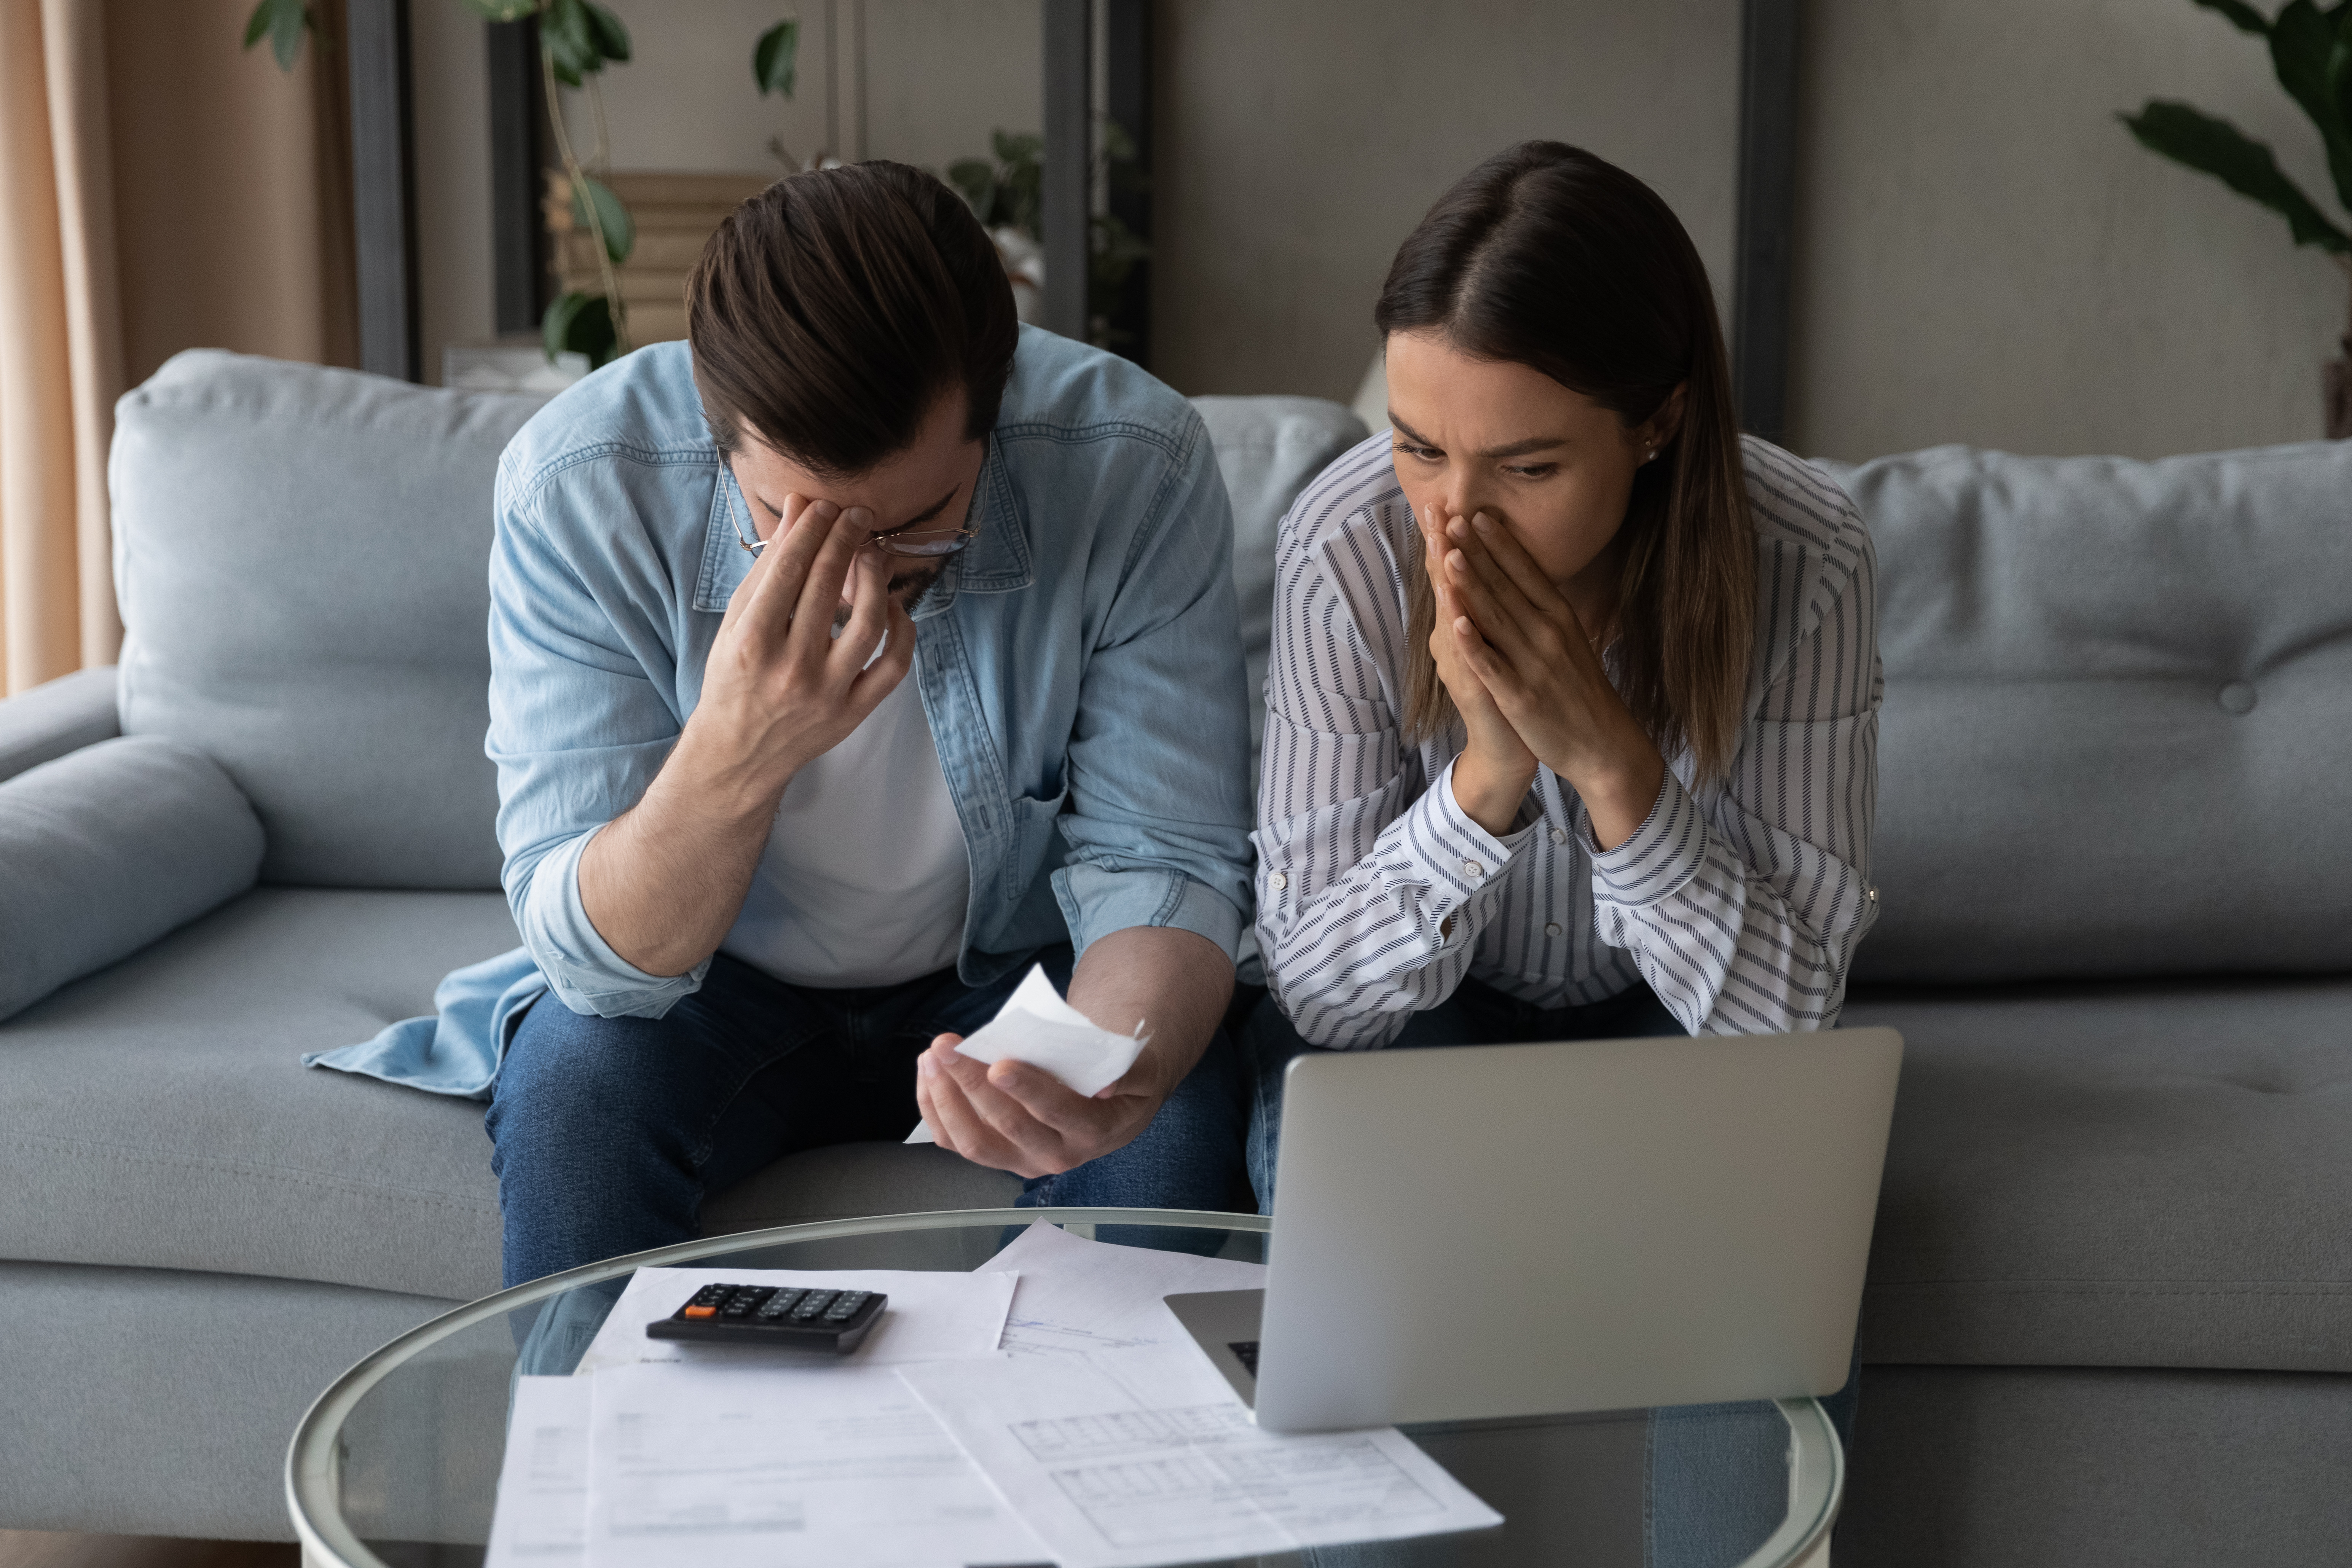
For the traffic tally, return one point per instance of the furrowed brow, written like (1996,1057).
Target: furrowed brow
(1522,448)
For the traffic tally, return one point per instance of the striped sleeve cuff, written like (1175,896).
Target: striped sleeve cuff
(1665,853)
(1436,844)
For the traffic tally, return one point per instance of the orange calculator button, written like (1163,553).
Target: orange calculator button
(701,1312)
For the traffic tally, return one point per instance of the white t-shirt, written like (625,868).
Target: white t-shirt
(864,878)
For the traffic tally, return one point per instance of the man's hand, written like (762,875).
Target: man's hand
(1019,1118)
(1492,775)
(779,689)
(664,880)
(1528,649)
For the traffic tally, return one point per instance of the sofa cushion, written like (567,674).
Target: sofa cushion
(302,556)
(107,849)
(157,1114)
(47,721)
(2118,714)
(2117,1175)
(1269,449)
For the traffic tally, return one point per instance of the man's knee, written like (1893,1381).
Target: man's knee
(568,1077)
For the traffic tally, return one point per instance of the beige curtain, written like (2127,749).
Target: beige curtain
(161,188)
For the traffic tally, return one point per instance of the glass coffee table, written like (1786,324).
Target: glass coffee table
(396,1465)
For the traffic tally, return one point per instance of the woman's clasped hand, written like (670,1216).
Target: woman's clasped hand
(1528,678)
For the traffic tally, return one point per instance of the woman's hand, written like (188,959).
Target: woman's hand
(1492,775)
(1530,652)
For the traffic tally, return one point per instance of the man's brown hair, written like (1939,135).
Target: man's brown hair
(829,313)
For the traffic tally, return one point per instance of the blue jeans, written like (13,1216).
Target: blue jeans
(1715,1477)
(609,1132)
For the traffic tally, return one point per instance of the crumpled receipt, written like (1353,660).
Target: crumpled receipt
(1036,1026)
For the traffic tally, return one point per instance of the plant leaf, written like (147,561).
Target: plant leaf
(606,31)
(2301,43)
(569,39)
(2218,148)
(2246,16)
(1017,147)
(578,324)
(974,180)
(283,21)
(2339,86)
(503,10)
(286,32)
(775,62)
(620,228)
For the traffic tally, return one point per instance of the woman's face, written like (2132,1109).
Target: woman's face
(1550,464)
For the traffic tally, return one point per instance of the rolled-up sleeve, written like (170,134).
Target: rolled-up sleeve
(1158,765)
(578,727)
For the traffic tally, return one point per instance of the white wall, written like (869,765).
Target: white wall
(941,74)
(1987,257)
(1298,144)
(1984,255)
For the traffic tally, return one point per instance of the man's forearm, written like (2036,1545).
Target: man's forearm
(666,879)
(1176,983)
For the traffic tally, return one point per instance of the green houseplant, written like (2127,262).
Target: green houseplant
(2311,51)
(577,39)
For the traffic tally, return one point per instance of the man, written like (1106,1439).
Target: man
(842,667)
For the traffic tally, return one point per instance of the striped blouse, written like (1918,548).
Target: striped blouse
(1739,903)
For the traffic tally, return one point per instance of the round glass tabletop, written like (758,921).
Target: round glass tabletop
(397,1464)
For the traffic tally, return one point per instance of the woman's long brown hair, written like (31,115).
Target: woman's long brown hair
(1546,257)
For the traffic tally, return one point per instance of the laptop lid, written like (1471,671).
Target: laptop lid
(1482,1231)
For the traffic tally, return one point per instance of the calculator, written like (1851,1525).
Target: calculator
(786,1315)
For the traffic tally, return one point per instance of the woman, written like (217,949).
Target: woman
(1572,708)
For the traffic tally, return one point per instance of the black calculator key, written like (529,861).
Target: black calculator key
(844,1306)
(779,1304)
(812,1304)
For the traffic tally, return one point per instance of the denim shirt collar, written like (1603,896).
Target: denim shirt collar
(997,562)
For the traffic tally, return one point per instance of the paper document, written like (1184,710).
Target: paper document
(1080,1295)
(1036,1026)
(779,1466)
(930,1316)
(1127,1458)
(542,1510)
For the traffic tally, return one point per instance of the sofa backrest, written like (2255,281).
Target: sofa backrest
(302,557)
(1269,449)
(2117,731)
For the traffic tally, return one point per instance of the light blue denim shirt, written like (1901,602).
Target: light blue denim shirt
(1080,665)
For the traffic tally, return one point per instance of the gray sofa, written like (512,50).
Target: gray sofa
(2110,1316)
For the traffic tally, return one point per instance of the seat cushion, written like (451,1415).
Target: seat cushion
(156,1114)
(2112,1176)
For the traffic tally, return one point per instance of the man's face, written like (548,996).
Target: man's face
(924,489)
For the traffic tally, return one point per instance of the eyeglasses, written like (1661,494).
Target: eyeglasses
(919,544)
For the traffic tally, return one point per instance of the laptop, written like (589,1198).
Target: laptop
(1484,1231)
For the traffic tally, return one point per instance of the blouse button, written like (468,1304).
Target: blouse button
(1872,895)
(1559,835)
(1280,880)
(1473,869)
(1552,928)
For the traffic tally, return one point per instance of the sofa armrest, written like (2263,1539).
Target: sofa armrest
(108,847)
(57,716)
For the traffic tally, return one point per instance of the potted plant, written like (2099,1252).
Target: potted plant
(577,39)
(2311,51)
